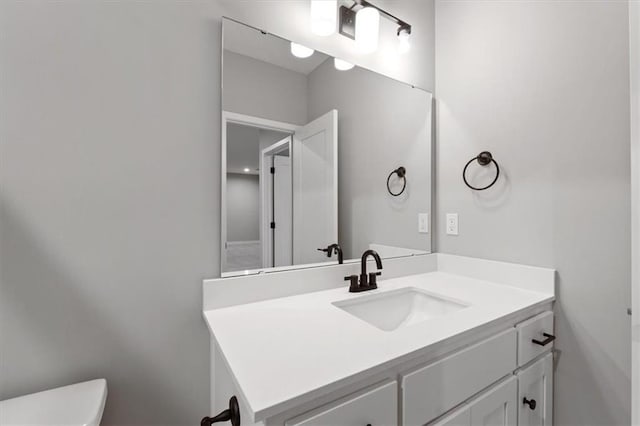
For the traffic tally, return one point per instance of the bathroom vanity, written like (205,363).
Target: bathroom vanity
(444,340)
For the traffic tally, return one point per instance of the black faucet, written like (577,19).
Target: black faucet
(366,281)
(329,250)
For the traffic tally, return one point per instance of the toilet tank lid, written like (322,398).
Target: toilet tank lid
(74,405)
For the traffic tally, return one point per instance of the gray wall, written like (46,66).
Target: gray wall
(545,87)
(243,148)
(382,124)
(109,124)
(243,196)
(260,89)
(109,204)
(269,137)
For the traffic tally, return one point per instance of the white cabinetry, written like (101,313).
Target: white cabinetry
(535,337)
(535,393)
(497,406)
(374,407)
(459,417)
(506,379)
(433,390)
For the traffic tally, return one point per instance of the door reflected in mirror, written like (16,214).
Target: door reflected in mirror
(307,150)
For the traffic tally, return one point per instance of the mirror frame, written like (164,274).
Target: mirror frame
(232,117)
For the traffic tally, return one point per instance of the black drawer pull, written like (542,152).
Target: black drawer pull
(531,403)
(549,338)
(231,414)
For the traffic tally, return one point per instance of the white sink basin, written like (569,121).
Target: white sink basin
(391,310)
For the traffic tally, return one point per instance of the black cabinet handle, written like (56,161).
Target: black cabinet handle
(231,414)
(549,338)
(530,402)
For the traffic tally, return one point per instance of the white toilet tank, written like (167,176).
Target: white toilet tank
(74,405)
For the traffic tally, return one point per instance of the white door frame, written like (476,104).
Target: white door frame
(634,48)
(266,194)
(246,120)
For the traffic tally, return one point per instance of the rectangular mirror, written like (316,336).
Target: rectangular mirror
(313,154)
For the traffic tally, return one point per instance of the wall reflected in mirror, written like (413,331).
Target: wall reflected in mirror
(308,146)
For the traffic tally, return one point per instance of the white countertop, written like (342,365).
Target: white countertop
(282,352)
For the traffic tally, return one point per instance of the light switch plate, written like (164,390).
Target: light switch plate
(452,223)
(423,223)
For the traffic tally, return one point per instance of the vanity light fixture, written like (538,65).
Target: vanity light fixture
(300,51)
(367,29)
(361,22)
(403,39)
(323,17)
(342,65)
(247,170)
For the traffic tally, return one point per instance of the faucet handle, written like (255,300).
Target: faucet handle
(354,286)
(372,279)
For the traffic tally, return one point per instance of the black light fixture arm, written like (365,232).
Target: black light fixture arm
(402,25)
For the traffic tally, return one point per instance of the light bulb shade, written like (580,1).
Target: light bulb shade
(342,65)
(367,28)
(300,51)
(324,17)
(403,41)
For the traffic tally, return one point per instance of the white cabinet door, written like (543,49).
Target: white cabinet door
(374,407)
(535,393)
(459,417)
(497,407)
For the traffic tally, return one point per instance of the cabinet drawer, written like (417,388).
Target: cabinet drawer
(433,390)
(534,329)
(375,406)
(535,393)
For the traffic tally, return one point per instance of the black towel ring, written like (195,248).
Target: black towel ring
(484,158)
(402,174)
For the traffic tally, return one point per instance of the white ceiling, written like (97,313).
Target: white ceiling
(244,40)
